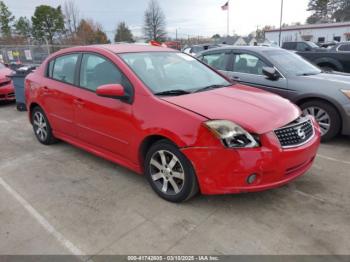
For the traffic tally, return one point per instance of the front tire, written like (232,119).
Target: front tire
(326,116)
(41,127)
(170,173)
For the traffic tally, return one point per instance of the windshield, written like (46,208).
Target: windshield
(312,44)
(291,63)
(166,71)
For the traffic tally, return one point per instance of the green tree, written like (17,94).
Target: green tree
(154,23)
(123,33)
(89,32)
(22,27)
(342,14)
(100,37)
(323,10)
(48,22)
(216,36)
(6,18)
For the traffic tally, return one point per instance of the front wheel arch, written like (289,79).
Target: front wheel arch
(333,110)
(31,108)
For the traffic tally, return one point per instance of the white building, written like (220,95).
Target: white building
(318,33)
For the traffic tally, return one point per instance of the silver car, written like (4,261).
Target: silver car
(326,96)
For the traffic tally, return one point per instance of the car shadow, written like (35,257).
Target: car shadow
(7,103)
(340,140)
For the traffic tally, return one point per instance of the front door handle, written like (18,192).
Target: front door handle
(79,102)
(236,78)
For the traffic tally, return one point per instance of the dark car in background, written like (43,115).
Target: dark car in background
(300,46)
(335,58)
(326,96)
(7,92)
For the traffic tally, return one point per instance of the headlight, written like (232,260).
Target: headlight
(346,92)
(231,134)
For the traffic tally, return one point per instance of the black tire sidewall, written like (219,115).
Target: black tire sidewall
(190,187)
(333,114)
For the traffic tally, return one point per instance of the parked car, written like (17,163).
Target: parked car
(326,96)
(7,92)
(173,44)
(328,45)
(195,49)
(163,113)
(336,58)
(341,47)
(301,46)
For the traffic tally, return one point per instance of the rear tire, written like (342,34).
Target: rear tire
(327,117)
(170,173)
(41,127)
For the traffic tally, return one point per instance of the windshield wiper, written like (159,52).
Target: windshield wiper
(175,92)
(210,87)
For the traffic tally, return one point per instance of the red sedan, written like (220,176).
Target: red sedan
(162,113)
(7,91)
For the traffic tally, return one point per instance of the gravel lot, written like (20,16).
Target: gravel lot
(62,200)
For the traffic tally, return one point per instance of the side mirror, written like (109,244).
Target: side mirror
(111,91)
(271,73)
(307,48)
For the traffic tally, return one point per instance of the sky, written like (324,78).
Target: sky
(189,17)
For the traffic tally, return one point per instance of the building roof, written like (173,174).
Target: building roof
(311,26)
(230,40)
(249,38)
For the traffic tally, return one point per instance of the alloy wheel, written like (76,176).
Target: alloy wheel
(167,172)
(321,116)
(40,126)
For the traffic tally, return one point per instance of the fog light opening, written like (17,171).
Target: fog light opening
(251,179)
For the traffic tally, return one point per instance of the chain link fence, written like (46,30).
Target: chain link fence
(27,54)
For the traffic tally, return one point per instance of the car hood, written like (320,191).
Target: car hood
(335,80)
(4,72)
(255,110)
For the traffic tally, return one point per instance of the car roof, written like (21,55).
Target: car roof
(206,44)
(257,49)
(119,48)
(134,48)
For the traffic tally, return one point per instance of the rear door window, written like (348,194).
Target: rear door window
(290,46)
(217,60)
(64,68)
(345,47)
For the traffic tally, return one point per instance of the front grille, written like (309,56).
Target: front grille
(295,134)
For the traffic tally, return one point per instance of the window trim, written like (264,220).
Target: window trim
(76,83)
(47,73)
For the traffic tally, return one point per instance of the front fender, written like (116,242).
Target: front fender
(328,60)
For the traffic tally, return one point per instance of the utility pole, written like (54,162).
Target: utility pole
(228,18)
(176,34)
(281,19)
